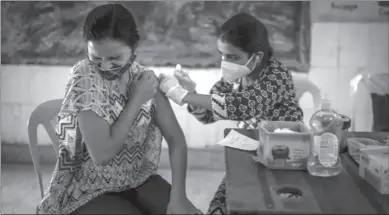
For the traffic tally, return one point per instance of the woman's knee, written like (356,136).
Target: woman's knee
(154,194)
(108,204)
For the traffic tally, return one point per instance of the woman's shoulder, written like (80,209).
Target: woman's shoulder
(276,64)
(82,75)
(80,69)
(275,73)
(83,91)
(83,78)
(276,69)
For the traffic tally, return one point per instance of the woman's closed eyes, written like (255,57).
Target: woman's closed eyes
(108,58)
(114,61)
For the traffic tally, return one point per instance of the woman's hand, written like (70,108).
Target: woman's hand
(144,86)
(183,78)
(182,206)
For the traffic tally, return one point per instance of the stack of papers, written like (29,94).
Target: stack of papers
(239,141)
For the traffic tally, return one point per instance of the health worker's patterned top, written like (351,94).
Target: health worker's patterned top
(272,98)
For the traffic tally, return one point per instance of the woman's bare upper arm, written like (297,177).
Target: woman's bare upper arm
(96,133)
(165,118)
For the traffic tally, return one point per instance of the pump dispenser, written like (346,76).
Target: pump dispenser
(325,103)
(324,157)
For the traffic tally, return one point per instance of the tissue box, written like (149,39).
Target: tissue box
(374,167)
(284,150)
(356,144)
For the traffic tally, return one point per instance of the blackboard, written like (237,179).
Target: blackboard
(49,32)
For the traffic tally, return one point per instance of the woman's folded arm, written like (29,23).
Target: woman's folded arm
(103,140)
(102,137)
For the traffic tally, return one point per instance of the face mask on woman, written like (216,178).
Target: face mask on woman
(232,71)
(117,72)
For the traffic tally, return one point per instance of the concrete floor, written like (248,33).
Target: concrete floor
(20,189)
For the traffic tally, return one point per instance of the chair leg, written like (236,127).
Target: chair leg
(36,162)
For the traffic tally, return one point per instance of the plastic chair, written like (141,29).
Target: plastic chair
(42,115)
(303,84)
(354,87)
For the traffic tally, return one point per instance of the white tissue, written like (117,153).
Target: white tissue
(283,130)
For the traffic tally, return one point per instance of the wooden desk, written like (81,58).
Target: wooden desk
(251,188)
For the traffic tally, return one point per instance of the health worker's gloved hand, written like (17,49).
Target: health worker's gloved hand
(183,78)
(171,87)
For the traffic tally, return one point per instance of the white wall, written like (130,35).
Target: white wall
(23,87)
(339,50)
(346,42)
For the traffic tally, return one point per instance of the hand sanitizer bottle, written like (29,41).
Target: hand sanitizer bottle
(326,127)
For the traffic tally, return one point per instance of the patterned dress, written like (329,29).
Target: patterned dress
(76,179)
(272,98)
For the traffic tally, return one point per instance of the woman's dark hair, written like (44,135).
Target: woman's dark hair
(111,21)
(247,33)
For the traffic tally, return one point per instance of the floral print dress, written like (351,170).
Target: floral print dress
(76,180)
(272,97)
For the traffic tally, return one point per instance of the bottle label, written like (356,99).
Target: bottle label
(326,147)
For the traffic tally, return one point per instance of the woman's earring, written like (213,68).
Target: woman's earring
(257,61)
